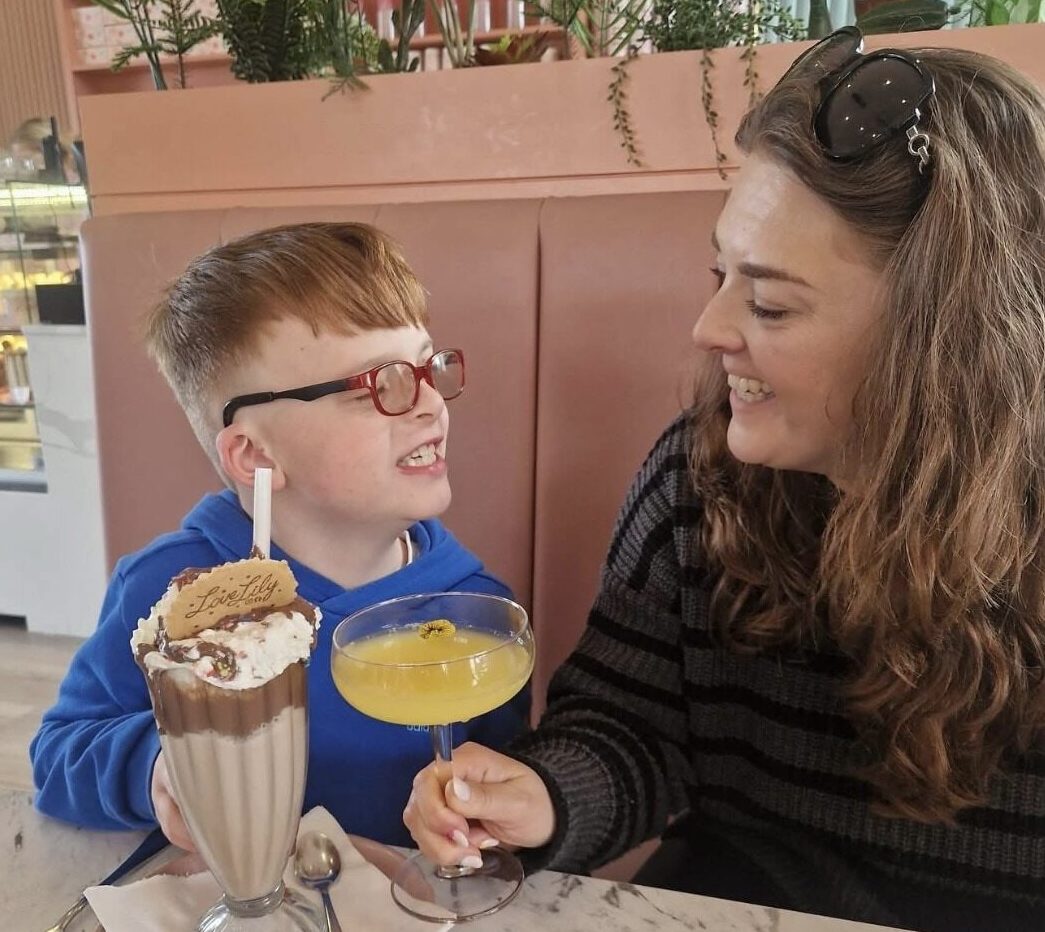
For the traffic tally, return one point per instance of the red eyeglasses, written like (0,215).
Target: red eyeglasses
(394,387)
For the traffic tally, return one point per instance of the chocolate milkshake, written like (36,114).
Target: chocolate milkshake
(225,653)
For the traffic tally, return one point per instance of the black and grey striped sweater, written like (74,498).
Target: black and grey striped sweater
(650,718)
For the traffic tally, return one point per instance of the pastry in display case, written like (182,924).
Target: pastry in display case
(39,283)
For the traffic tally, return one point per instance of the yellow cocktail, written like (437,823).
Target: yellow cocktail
(406,678)
(431,660)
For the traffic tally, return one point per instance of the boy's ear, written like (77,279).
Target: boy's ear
(240,454)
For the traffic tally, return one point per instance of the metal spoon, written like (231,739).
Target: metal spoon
(317,865)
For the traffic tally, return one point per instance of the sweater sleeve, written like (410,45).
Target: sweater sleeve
(93,755)
(610,747)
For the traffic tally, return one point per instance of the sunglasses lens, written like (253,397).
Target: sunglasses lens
(879,97)
(448,373)
(829,54)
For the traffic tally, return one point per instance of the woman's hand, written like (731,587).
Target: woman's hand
(168,812)
(506,801)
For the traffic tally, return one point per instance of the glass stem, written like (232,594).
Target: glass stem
(442,746)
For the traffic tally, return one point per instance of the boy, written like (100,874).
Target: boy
(358,472)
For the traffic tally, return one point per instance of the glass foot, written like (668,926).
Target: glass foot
(281,911)
(420,890)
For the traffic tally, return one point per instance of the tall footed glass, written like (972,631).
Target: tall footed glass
(237,760)
(431,660)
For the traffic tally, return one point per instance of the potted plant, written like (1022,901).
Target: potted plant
(162,27)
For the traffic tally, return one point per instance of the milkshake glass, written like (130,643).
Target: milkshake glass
(231,703)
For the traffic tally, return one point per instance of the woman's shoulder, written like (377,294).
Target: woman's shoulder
(670,452)
(665,472)
(661,495)
(676,438)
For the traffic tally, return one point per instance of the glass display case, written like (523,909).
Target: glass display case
(39,281)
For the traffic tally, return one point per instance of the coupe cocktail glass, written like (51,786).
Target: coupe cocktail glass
(432,660)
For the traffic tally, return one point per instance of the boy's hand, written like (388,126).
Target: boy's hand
(506,801)
(168,812)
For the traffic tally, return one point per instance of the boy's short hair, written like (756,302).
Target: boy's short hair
(340,277)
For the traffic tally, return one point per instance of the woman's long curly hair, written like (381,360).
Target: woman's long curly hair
(930,574)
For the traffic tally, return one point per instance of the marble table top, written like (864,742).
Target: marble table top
(48,863)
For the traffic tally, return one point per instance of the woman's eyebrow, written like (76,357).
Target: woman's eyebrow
(753,270)
(763,272)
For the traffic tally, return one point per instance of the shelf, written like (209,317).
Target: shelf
(22,480)
(38,254)
(49,193)
(488,37)
(60,243)
(58,249)
(417,44)
(140,64)
(20,454)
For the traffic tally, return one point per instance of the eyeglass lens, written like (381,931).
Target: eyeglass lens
(876,99)
(396,384)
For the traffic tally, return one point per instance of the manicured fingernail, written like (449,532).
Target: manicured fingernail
(473,861)
(460,839)
(489,843)
(461,790)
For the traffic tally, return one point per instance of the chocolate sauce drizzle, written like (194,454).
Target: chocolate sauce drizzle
(188,576)
(224,658)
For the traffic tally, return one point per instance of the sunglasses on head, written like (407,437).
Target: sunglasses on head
(865,100)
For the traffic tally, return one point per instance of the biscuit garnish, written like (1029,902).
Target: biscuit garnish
(229,590)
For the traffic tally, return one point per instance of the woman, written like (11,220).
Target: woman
(819,642)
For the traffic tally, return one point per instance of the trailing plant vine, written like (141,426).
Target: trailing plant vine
(675,25)
(621,115)
(707,99)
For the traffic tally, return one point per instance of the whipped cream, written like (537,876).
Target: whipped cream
(239,655)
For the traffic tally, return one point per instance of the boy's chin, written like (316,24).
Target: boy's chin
(433,506)
(440,506)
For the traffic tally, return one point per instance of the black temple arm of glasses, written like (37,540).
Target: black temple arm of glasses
(243,401)
(308,393)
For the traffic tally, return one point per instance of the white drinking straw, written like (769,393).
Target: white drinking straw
(262,509)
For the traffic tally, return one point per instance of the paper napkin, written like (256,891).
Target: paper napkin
(361,895)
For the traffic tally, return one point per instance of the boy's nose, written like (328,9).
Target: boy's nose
(429,401)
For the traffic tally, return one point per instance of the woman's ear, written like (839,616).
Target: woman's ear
(240,453)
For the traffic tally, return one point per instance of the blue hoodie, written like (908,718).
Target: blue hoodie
(93,755)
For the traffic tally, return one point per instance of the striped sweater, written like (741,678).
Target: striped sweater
(651,718)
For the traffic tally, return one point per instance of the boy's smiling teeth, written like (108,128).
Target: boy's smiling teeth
(749,389)
(424,455)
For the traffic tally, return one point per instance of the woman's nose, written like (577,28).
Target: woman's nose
(716,329)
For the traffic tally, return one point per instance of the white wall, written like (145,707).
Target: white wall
(52,561)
